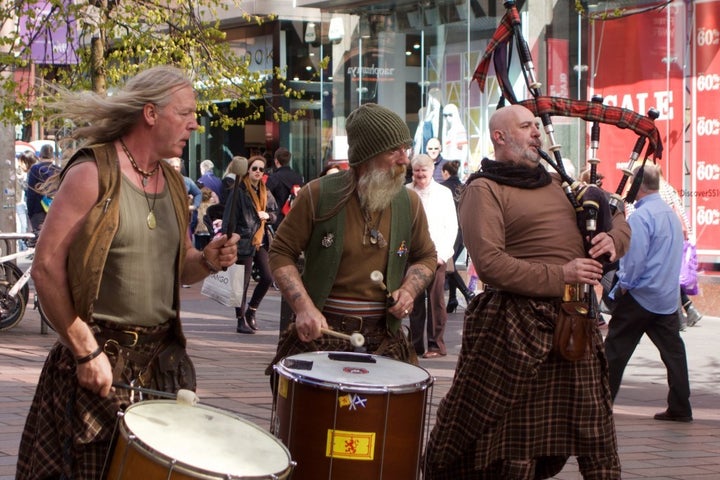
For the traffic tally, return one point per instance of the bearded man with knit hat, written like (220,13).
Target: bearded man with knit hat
(348,225)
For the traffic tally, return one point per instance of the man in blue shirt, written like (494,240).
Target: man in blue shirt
(646,292)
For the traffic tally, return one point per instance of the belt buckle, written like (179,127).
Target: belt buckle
(111,347)
(135,337)
(346,320)
(573,293)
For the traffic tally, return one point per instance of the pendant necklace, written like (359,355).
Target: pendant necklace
(144,177)
(373,231)
(144,174)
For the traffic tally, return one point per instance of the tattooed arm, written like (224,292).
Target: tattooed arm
(416,280)
(422,261)
(308,319)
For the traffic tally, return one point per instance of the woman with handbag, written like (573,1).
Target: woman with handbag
(252,209)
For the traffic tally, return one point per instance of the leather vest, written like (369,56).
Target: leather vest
(87,257)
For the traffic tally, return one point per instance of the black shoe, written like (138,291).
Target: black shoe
(670,417)
(452,305)
(693,316)
(242,326)
(250,317)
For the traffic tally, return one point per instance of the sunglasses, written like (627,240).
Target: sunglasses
(257,169)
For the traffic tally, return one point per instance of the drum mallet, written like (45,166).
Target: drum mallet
(183,396)
(377,277)
(356,339)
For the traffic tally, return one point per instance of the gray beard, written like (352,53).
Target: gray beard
(377,188)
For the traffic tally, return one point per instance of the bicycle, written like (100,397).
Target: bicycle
(14,288)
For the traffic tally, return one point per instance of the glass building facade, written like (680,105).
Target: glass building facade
(414,58)
(418,59)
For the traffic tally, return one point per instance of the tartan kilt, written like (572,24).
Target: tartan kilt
(70,431)
(512,399)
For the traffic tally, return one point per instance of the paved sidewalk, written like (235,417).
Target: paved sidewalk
(230,375)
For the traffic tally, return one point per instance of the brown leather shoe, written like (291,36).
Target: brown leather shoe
(669,417)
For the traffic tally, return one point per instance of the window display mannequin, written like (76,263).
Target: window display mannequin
(430,121)
(454,138)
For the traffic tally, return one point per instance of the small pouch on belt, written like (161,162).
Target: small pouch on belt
(571,338)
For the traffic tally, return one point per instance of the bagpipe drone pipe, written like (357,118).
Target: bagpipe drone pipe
(594,207)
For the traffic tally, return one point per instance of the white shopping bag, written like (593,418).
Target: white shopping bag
(226,286)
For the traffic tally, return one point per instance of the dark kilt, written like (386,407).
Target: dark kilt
(70,431)
(513,400)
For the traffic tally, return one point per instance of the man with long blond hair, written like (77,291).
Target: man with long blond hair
(108,266)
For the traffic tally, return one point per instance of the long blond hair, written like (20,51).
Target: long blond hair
(101,119)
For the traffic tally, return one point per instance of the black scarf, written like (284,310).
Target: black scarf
(512,174)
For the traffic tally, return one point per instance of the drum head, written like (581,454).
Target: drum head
(206,439)
(354,372)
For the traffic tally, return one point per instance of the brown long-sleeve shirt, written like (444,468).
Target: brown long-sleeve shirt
(359,257)
(519,239)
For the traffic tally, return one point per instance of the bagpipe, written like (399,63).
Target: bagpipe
(594,207)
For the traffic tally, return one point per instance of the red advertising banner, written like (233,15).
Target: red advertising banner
(705,190)
(558,66)
(636,63)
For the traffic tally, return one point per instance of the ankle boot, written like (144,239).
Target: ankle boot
(250,317)
(693,316)
(460,284)
(466,292)
(242,326)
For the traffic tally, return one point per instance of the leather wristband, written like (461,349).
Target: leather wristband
(94,354)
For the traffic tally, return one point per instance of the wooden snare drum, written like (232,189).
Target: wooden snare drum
(162,439)
(351,415)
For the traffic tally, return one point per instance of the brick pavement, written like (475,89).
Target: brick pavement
(230,373)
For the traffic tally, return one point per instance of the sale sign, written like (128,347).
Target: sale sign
(704,193)
(637,65)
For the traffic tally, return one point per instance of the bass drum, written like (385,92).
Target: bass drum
(349,416)
(166,440)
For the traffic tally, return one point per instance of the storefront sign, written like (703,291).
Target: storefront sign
(558,67)
(52,36)
(705,191)
(638,66)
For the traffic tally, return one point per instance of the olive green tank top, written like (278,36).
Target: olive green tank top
(133,291)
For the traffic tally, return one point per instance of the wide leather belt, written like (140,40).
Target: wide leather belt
(128,338)
(355,323)
(573,292)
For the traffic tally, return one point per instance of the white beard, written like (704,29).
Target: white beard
(377,188)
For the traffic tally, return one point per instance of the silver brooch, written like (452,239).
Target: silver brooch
(328,240)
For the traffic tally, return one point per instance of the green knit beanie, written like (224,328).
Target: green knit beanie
(371,130)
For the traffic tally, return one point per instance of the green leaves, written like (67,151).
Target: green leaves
(132,35)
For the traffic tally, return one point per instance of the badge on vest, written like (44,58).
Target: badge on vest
(328,240)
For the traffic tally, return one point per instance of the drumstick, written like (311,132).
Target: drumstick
(377,277)
(356,339)
(183,396)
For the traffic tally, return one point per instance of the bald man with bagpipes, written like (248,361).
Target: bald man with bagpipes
(531,385)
